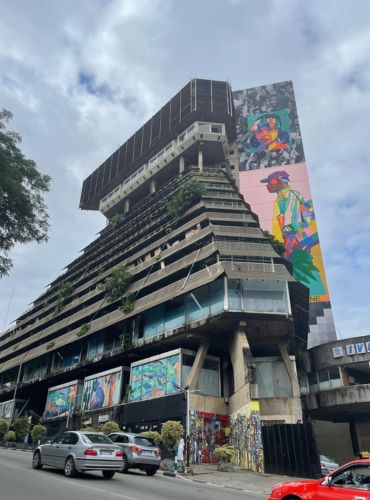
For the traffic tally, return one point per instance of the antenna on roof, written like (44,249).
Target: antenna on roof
(7,311)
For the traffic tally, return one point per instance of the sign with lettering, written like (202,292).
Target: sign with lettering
(351,349)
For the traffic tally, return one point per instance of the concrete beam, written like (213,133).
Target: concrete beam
(193,376)
(289,364)
(242,361)
(181,165)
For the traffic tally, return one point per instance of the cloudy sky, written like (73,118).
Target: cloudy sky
(81,76)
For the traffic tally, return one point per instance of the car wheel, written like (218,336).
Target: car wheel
(36,460)
(125,465)
(150,472)
(108,474)
(70,468)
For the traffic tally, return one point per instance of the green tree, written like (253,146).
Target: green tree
(38,432)
(10,436)
(277,245)
(188,195)
(171,434)
(23,214)
(21,427)
(110,427)
(152,435)
(3,428)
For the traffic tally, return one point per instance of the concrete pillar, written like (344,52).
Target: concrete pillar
(181,165)
(289,364)
(153,186)
(193,376)
(200,160)
(242,361)
(126,206)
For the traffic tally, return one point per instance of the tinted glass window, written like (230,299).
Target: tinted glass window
(58,440)
(96,439)
(122,439)
(144,441)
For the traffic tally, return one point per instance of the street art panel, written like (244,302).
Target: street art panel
(281,198)
(102,390)
(6,410)
(61,401)
(267,126)
(246,437)
(160,377)
(207,430)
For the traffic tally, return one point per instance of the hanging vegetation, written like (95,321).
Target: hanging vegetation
(116,220)
(64,291)
(190,193)
(83,330)
(115,288)
(277,245)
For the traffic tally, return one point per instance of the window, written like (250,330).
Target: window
(273,380)
(216,128)
(355,477)
(122,439)
(70,438)
(96,438)
(143,441)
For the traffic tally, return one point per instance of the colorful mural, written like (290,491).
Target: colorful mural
(267,127)
(269,137)
(6,410)
(207,431)
(102,390)
(156,378)
(61,401)
(269,131)
(246,436)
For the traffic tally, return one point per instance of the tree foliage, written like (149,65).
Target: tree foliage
(277,245)
(110,427)
(225,453)
(10,436)
(3,428)
(190,193)
(21,427)
(38,432)
(115,287)
(152,435)
(171,434)
(23,214)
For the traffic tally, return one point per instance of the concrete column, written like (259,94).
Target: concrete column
(193,376)
(126,206)
(153,187)
(200,160)
(291,370)
(181,165)
(242,361)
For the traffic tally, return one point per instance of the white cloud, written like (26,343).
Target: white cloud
(80,78)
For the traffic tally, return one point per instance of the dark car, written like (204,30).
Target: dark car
(349,482)
(139,452)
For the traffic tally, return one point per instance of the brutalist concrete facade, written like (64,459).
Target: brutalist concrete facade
(212,306)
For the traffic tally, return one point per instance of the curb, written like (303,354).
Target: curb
(184,478)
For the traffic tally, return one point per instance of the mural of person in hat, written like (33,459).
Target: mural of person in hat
(294,225)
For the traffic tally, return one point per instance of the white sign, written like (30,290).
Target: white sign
(337,351)
(350,348)
(103,418)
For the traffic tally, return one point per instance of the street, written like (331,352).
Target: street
(19,481)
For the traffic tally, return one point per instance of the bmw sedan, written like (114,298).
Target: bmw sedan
(80,451)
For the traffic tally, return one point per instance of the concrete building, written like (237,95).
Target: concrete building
(182,289)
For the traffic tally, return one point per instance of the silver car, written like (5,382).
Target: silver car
(80,451)
(139,452)
(327,465)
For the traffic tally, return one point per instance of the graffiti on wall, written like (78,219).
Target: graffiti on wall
(246,436)
(102,390)
(155,378)
(6,410)
(60,401)
(207,431)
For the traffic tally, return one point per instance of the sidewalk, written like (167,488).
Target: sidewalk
(240,479)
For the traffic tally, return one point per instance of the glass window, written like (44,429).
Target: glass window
(273,380)
(234,294)
(217,295)
(197,305)
(153,321)
(355,477)
(174,313)
(143,441)
(96,438)
(216,128)
(264,296)
(96,346)
(204,127)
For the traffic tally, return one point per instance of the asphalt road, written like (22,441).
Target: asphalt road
(18,481)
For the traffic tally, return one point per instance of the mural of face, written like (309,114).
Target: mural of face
(267,133)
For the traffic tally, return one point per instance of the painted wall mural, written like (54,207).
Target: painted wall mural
(246,436)
(156,378)
(207,430)
(60,401)
(274,181)
(6,410)
(102,390)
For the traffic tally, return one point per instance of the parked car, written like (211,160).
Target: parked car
(76,452)
(351,481)
(327,465)
(139,452)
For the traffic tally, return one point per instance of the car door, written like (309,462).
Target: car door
(349,483)
(49,451)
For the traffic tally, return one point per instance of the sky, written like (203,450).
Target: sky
(80,77)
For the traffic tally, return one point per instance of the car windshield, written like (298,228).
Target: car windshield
(144,441)
(326,458)
(96,439)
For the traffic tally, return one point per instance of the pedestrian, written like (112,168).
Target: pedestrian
(180,454)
